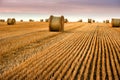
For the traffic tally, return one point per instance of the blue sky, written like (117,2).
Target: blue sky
(72,9)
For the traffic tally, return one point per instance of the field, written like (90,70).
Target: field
(84,51)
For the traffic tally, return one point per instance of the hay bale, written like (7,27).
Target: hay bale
(21,20)
(115,22)
(93,21)
(56,23)
(14,21)
(46,20)
(2,20)
(31,20)
(65,20)
(80,20)
(103,21)
(41,20)
(89,20)
(11,21)
(107,21)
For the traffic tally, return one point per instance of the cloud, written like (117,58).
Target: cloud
(67,7)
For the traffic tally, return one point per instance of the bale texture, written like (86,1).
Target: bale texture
(80,20)
(89,20)
(115,22)
(11,21)
(41,20)
(93,21)
(2,20)
(65,20)
(56,23)
(21,20)
(31,20)
(107,21)
(46,20)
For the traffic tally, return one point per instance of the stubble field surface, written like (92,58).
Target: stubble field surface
(84,51)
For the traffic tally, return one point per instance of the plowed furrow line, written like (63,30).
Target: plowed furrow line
(86,58)
(87,71)
(115,49)
(100,50)
(92,70)
(108,69)
(37,57)
(115,73)
(116,60)
(98,77)
(26,49)
(29,52)
(84,53)
(103,62)
(114,35)
(61,67)
(115,44)
(29,62)
(70,62)
(89,52)
(73,41)
(57,72)
(102,58)
(46,60)
(51,65)
(70,75)
(39,65)
(110,53)
(63,73)
(43,72)
(96,71)
(84,74)
(66,60)
(63,48)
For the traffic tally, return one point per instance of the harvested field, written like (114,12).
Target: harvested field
(28,51)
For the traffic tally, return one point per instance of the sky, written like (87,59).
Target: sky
(71,9)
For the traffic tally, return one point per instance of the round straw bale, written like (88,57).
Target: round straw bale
(46,20)
(2,20)
(56,23)
(41,20)
(93,21)
(11,21)
(107,21)
(31,20)
(115,22)
(89,20)
(65,20)
(103,21)
(80,20)
(21,20)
